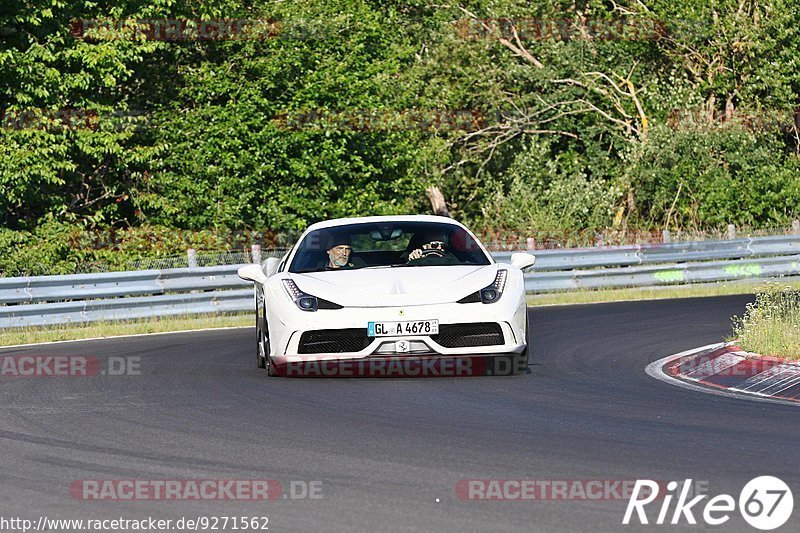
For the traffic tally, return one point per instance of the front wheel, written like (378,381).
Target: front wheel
(262,336)
(261,359)
(519,362)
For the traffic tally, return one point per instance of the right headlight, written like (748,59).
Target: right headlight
(493,292)
(490,294)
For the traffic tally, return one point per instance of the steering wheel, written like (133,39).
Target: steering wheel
(432,252)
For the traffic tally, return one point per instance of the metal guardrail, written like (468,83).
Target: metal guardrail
(115,284)
(46,300)
(650,276)
(663,264)
(127,308)
(679,252)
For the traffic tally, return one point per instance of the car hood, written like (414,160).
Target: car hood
(387,287)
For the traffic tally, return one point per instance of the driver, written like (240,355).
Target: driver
(339,250)
(434,251)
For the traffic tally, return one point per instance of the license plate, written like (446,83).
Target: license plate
(396,329)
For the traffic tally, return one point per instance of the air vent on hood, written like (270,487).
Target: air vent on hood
(325,304)
(471,299)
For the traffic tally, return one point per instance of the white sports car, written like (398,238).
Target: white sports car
(390,295)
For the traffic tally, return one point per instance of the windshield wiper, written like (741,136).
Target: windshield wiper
(374,266)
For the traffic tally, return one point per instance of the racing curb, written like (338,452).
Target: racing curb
(727,367)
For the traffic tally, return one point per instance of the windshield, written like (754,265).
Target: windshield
(386,244)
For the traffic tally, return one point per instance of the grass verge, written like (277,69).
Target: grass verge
(771,324)
(646,293)
(63,332)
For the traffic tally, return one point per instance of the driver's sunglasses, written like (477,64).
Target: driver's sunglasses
(436,245)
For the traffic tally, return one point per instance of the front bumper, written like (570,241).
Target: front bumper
(510,315)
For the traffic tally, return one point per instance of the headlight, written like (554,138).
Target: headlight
(493,292)
(304,301)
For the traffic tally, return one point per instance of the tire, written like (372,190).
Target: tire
(262,337)
(268,360)
(519,362)
(261,360)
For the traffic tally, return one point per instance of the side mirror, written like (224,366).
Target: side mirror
(522,260)
(252,273)
(271,265)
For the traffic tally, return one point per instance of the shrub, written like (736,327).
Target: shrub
(60,248)
(771,324)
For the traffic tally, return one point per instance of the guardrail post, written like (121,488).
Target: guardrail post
(666,236)
(191,257)
(255,252)
(731,232)
(530,243)
(796,227)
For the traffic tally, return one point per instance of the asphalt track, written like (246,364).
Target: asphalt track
(386,449)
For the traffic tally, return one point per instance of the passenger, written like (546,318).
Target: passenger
(434,251)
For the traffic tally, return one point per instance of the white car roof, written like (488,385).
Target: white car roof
(387,218)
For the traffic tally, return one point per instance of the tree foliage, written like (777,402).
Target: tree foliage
(585,114)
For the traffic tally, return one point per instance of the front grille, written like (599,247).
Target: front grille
(466,335)
(334,341)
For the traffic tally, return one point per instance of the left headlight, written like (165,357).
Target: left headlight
(304,301)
